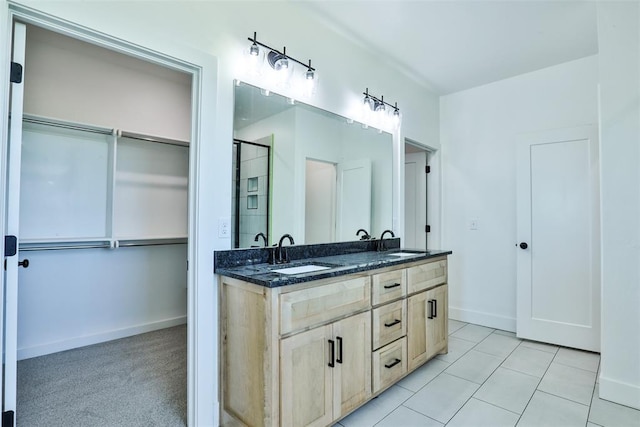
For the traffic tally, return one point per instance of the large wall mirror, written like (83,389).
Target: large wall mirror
(307,172)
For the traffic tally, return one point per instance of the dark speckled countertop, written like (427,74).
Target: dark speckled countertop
(342,258)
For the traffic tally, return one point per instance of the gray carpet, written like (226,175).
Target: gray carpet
(135,381)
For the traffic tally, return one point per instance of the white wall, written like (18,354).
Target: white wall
(73,80)
(619,61)
(200,32)
(479,128)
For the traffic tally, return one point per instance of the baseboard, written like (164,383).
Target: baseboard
(618,392)
(484,319)
(41,350)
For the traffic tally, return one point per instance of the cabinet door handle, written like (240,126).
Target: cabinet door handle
(339,358)
(332,354)
(430,316)
(435,308)
(395,322)
(392,364)
(395,285)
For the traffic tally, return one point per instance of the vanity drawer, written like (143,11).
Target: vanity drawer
(426,276)
(321,304)
(389,364)
(388,286)
(389,323)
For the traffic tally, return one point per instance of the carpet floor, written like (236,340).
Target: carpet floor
(134,381)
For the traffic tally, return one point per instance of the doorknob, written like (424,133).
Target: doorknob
(24,263)
(523,245)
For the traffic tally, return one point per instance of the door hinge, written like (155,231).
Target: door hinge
(10,245)
(8,419)
(16,73)
(427,169)
(427,229)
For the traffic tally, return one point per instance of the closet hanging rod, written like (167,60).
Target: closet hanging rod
(102,245)
(157,139)
(106,245)
(47,121)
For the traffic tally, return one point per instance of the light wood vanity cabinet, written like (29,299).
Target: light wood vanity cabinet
(309,354)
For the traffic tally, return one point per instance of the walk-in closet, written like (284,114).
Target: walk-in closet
(102,301)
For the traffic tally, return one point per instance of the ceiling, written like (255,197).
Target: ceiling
(448,46)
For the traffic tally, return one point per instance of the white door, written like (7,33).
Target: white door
(320,202)
(558,238)
(415,200)
(10,295)
(354,199)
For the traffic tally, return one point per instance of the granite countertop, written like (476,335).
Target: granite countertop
(261,273)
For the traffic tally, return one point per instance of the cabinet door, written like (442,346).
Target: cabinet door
(417,313)
(306,384)
(352,376)
(437,325)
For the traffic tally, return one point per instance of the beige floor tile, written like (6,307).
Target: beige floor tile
(376,409)
(569,382)
(549,348)
(529,361)
(546,410)
(421,376)
(442,397)
(454,325)
(473,333)
(476,413)
(609,414)
(457,348)
(474,366)
(508,389)
(403,416)
(578,359)
(498,345)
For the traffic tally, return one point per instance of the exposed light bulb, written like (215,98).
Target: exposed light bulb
(309,74)
(254,50)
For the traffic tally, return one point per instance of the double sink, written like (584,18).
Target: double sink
(312,267)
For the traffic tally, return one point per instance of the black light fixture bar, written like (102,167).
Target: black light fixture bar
(380,100)
(255,40)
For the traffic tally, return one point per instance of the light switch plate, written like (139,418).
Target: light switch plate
(224,227)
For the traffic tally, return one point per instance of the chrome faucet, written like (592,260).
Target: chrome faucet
(381,241)
(365,236)
(264,238)
(283,251)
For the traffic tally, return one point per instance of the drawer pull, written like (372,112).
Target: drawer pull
(430,302)
(332,354)
(395,322)
(339,359)
(392,364)
(395,285)
(435,308)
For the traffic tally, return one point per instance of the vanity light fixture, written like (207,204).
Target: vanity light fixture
(379,107)
(279,60)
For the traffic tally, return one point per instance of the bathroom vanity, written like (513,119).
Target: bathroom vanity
(306,343)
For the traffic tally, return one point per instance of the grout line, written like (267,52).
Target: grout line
(582,369)
(593,392)
(539,381)
(420,413)
(497,406)
(520,372)
(563,398)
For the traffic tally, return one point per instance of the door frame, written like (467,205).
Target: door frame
(201,395)
(434,192)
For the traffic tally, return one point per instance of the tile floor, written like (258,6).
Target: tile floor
(491,378)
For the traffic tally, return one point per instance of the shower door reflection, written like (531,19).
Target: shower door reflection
(251,198)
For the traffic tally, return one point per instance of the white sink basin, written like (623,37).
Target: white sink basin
(403,254)
(301,269)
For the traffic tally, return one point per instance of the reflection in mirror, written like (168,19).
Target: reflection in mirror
(316,176)
(250,190)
